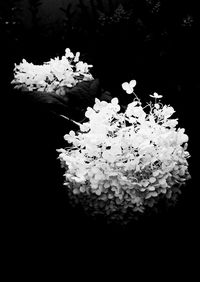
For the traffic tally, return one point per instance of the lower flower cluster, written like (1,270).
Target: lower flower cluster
(121,212)
(122,193)
(121,162)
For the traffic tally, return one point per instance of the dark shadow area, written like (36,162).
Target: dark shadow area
(157,46)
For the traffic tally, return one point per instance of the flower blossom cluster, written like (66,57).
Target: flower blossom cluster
(126,159)
(52,75)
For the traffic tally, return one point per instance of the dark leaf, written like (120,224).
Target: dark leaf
(106,96)
(71,102)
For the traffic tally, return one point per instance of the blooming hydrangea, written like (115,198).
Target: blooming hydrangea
(52,75)
(126,160)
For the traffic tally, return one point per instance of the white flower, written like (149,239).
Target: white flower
(167,111)
(99,105)
(67,71)
(68,53)
(89,112)
(156,96)
(127,163)
(82,67)
(129,86)
(76,59)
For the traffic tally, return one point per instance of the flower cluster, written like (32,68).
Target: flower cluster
(126,160)
(52,75)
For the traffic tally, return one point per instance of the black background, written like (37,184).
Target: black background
(37,213)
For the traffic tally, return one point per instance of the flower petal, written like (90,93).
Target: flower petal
(125,86)
(132,83)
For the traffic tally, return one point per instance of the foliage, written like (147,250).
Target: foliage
(34,9)
(10,18)
(145,32)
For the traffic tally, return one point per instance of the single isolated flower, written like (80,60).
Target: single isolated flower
(129,86)
(68,53)
(156,96)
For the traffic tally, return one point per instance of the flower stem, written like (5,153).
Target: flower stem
(77,123)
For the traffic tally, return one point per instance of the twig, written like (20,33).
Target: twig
(77,123)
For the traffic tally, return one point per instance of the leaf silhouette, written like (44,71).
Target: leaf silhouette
(71,102)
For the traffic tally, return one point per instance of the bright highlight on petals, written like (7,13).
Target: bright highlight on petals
(129,86)
(125,161)
(52,75)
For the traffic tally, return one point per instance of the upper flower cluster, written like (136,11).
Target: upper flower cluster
(132,156)
(67,71)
